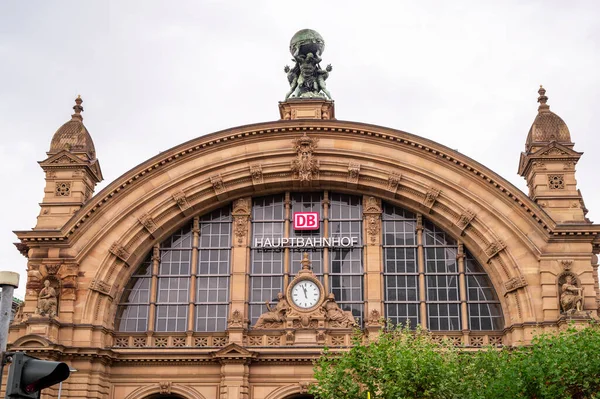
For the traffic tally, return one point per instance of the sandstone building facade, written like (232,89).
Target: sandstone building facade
(182,278)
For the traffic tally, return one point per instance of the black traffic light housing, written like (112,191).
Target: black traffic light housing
(28,375)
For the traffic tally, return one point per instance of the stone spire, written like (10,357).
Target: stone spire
(548,165)
(72,172)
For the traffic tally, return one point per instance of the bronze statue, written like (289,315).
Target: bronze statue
(307,78)
(47,301)
(571,297)
(275,315)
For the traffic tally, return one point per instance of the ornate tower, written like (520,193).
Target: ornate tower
(72,172)
(548,165)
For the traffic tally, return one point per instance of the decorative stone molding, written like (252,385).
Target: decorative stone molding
(430,197)
(241,216)
(52,269)
(63,189)
(393,181)
(218,184)
(556,182)
(148,223)
(353,173)
(566,264)
(372,216)
(118,250)
(494,248)
(236,320)
(257,174)
(515,283)
(156,253)
(465,219)
(374,319)
(181,200)
(102,287)
(165,387)
(305,167)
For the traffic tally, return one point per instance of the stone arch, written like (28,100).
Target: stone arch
(183,391)
(287,391)
(31,341)
(498,223)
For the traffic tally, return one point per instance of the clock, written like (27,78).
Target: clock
(305,294)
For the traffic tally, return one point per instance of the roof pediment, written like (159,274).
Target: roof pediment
(551,151)
(233,351)
(66,158)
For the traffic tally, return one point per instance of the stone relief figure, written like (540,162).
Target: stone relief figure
(571,297)
(275,316)
(337,316)
(307,78)
(47,301)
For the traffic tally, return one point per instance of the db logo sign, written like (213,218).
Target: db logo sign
(306,221)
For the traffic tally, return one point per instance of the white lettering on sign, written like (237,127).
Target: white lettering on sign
(305,242)
(306,220)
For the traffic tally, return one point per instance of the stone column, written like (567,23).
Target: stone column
(373,262)
(240,255)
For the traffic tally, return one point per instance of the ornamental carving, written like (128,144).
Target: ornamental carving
(393,182)
(119,251)
(181,200)
(465,219)
(275,317)
(566,264)
(374,319)
(515,283)
(257,174)
(101,287)
(353,173)
(430,197)
(556,182)
(148,223)
(241,215)
(52,269)
(494,248)
(217,183)
(555,151)
(305,167)
(236,320)
(63,189)
(165,387)
(372,217)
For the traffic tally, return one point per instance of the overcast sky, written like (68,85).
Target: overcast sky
(154,74)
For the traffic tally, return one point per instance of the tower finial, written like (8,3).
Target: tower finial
(78,108)
(542,99)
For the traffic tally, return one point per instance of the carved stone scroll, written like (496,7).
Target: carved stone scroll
(148,223)
(494,248)
(181,200)
(101,287)
(257,175)
(119,251)
(515,283)
(465,219)
(353,173)
(430,197)
(218,184)
(393,182)
(165,387)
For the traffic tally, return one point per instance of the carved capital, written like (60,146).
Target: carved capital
(393,182)
(148,223)
(181,200)
(218,184)
(465,219)
(494,248)
(118,250)
(353,173)
(257,174)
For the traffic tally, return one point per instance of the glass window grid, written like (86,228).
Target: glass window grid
(400,268)
(213,272)
(484,309)
(346,273)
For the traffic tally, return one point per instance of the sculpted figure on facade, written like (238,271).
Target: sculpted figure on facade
(305,166)
(306,77)
(47,301)
(571,297)
(336,316)
(276,316)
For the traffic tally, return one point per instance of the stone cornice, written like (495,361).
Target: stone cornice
(228,137)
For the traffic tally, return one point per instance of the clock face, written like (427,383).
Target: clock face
(305,294)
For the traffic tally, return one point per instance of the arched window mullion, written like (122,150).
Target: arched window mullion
(153,288)
(462,281)
(421,269)
(194,273)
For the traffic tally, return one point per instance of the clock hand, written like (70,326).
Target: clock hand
(304,288)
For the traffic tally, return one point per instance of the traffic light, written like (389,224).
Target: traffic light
(28,375)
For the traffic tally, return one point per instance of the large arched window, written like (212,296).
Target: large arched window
(187,286)
(424,270)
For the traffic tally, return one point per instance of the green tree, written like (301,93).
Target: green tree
(405,363)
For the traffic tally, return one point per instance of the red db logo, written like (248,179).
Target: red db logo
(306,221)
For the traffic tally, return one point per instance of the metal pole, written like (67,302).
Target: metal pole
(59,389)
(8,281)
